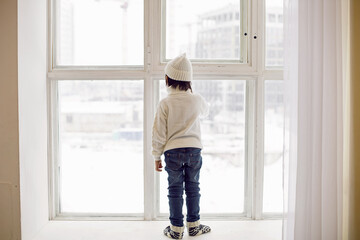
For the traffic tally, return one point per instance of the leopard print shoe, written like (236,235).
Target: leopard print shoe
(174,232)
(196,229)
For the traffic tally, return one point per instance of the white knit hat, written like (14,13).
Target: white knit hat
(179,68)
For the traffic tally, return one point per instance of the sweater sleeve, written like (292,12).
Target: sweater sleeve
(204,107)
(159,132)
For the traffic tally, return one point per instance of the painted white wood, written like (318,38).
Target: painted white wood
(253,32)
(250,145)
(32,105)
(140,230)
(51,93)
(270,215)
(244,39)
(259,162)
(53,149)
(52,40)
(160,217)
(156,98)
(67,74)
(49,26)
(163,32)
(135,230)
(155,36)
(72,216)
(213,216)
(149,174)
(273,74)
(260,40)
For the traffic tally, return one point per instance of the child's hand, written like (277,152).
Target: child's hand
(158,166)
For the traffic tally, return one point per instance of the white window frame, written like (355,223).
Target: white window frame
(254,72)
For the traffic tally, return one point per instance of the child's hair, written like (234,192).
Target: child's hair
(183,86)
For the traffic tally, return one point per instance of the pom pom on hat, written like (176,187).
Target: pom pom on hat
(179,69)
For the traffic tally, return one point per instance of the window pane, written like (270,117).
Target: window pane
(222,178)
(274,33)
(101,146)
(204,29)
(273,156)
(99,32)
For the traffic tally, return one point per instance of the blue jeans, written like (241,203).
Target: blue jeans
(183,167)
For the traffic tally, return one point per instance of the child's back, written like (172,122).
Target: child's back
(176,133)
(182,110)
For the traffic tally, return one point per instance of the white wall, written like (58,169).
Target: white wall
(32,115)
(9,138)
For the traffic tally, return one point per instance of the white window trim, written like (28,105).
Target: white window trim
(254,73)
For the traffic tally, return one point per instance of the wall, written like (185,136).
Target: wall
(346,114)
(9,139)
(32,23)
(25,132)
(354,191)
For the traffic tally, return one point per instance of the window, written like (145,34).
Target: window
(106,78)
(92,32)
(186,21)
(271,17)
(274,34)
(273,145)
(99,146)
(223,137)
(280,18)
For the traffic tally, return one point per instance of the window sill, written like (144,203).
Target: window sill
(139,230)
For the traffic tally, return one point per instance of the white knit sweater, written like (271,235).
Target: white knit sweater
(177,123)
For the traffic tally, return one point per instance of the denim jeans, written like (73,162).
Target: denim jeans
(183,167)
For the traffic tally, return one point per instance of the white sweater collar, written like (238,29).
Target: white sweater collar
(172,90)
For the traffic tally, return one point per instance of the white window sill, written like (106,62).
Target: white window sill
(140,230)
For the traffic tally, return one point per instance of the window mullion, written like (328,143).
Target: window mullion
(150,197)
(253,31)
(156,96)
(53,143)
(259,162)
(153,46)
(250,147)
(155,35)
(244,39)
(150,180)
(260,35)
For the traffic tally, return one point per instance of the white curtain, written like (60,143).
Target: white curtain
(314,112)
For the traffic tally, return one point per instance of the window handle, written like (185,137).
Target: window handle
(255,37)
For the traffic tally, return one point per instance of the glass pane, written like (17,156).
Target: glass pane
(274,33)
(222,178)
(274,138)
(99,32)
(101,146)
(204,29)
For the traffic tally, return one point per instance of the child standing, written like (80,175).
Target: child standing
(176,133)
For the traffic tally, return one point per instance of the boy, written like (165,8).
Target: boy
(176,133)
